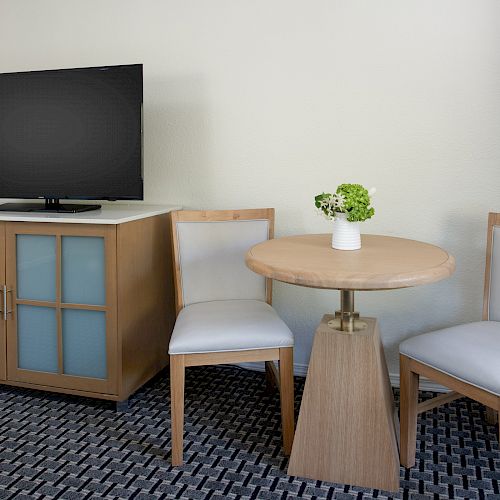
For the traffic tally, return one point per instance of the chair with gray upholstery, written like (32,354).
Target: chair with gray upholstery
(464,358)
(224,312)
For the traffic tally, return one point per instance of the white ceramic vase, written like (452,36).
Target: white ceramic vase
(345,235)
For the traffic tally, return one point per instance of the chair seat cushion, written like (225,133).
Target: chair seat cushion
(228,325)
(469,352)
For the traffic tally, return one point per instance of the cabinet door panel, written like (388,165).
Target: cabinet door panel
(62,332)
(83,270)
(37,338)
(84,343)
(36,267)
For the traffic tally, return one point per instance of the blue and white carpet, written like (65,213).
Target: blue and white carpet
(66,447)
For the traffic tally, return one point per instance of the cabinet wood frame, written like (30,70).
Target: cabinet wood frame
(60,379)
(3,333)
(139,305)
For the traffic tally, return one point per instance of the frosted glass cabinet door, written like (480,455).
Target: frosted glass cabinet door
(36,267)
(63,330)
(84,343)
(37,338)
(83,270)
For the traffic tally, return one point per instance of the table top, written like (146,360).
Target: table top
(382,263)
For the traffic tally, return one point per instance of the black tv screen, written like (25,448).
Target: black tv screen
(72,133)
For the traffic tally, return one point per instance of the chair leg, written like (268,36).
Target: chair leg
(407,412)
(287,398)
(491,416)
(270,382)
(177,406)
(498,417)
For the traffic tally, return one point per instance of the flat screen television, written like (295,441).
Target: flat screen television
(71,134)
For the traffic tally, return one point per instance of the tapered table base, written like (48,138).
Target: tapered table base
(346,431)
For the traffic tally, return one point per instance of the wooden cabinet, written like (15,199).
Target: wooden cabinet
(3,297)
(90,306)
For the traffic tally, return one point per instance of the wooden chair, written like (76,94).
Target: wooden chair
(224,312)
(464,358)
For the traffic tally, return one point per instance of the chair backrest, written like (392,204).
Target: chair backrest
(209,250)
(491,302)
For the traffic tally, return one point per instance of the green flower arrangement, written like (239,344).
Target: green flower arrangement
(351,199)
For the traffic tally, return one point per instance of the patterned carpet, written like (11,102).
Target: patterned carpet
(54,446)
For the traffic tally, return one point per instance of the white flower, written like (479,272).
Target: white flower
(372,191)
(331,205)
(338,200)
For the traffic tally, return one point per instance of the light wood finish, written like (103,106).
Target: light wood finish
(63,390)
(286,386)
(59,302)
(139,305)
(179,362)
(408,410)
(14,373)
(493,220)
(3,336)
(145,300)
(442,399)
(382,263)
(177,376)
(230,357)
(410,368)
(491,416)
(345,431)
(342,416)
(224,215)
(215,216)
(468,390)
(67,305)
(272,376)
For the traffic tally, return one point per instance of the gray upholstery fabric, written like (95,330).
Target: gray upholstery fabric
(469,352)
(494,304)
(228,325)
(212,260)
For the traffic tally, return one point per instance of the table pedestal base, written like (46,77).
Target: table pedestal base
(346,431)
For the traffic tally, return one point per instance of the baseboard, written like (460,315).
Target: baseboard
(300,370)
(424,385)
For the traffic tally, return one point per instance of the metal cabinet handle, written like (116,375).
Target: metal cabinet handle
(6,311)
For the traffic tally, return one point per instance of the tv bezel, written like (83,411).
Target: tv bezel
(53,198)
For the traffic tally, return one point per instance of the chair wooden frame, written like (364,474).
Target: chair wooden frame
(411,370)
(178,362)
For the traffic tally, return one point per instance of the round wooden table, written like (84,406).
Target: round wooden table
(346,431)
(382,263)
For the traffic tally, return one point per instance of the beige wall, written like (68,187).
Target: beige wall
(252,103)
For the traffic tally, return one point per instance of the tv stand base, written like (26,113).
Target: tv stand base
(50,206)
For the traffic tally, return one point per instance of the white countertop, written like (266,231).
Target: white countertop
(108,214)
